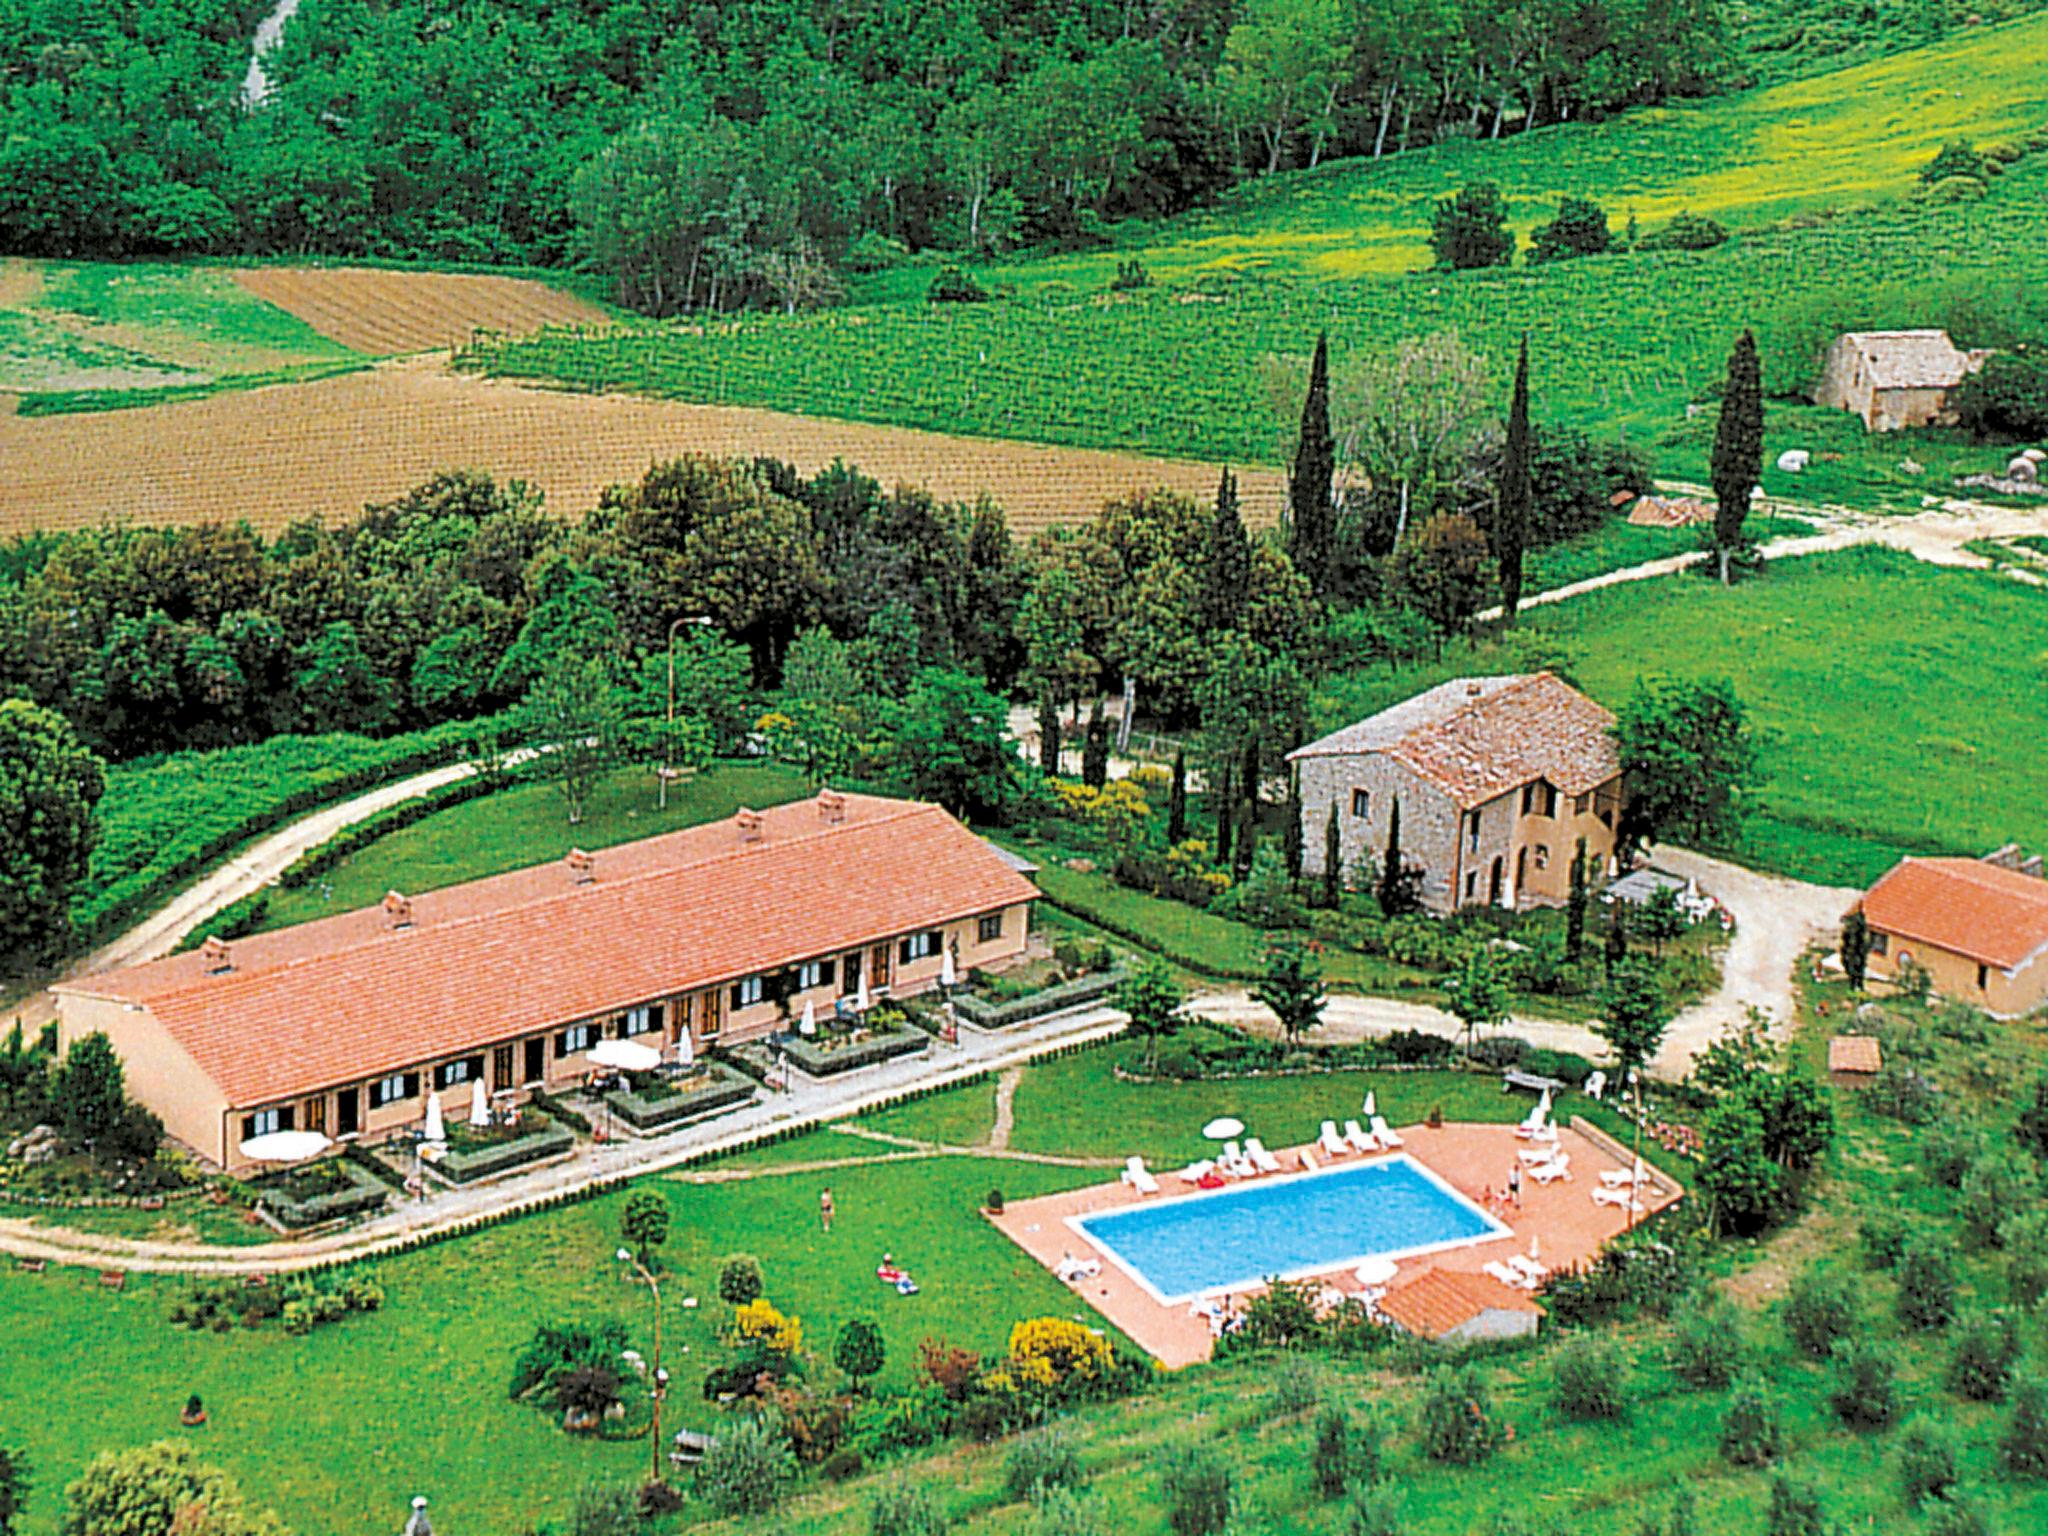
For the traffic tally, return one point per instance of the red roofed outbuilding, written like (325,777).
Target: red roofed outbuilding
(1978,927)
(1453,1306)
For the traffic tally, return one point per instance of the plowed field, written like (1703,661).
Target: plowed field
(382,312)
(287,451)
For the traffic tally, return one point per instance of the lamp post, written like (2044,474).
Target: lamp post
(668,739)
(660,1378)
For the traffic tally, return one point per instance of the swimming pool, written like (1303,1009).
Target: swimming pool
(1286,1227)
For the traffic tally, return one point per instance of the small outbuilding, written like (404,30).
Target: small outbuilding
(1453,1307)
(1978,928)
(1894,379)
(1853,1060)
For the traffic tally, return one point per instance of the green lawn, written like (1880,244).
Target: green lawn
(1897,701)
(527,824)
(1814,176)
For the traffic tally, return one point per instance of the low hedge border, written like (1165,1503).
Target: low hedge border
(727,1090)
(983,1014)
(468,1167)
(557,1111)
(365,1193)
(849,1058)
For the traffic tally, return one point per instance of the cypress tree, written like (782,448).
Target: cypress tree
(1311,511)
(1227,573)
(1226,817)
(1177,803)
(1247,837)
(1333,860)
(1617,937)
(1517,494)
(1391,891)
(1248,777)
(1290,837)
(1049,735)
(1095,751)
(1575,908)
(1738,448)
(1856,947)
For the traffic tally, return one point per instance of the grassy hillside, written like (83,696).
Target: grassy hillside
(1814,176)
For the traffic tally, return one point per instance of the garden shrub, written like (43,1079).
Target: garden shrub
(1752,1435)
(1589,1378)
(1902,1094)
(1995,1185)
(1196,1487)
(1819,1314)
(949,1368)
(1297,1386)
(1681,1519)
(1054,1352)
(907,1509)
(1044,1459)
(2026,1277)
(1471,229)
(1947,1151)
(1864,1391)
(1957,1517)
(901,1421)
(1329,1455)
(2023,1448)
(1987,1354)
(1794,1510)
(841,1464)
(1687,231)
(605,1509)
(813,1419)
(1927,1286)
(2006,399)
(1414,1048)
(953,285)
(1130,275)
(1927,1461)
(1957,157)
(1377,1509)
(1458,1425)
(1883,1235)
(556,1349)
(1580,229)
(1639,1272)
(1706,1347)
(748,1468)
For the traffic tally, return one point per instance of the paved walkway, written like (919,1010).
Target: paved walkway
(808,1103)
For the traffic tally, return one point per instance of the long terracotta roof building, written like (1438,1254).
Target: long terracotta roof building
(343,1025)
(1978,927)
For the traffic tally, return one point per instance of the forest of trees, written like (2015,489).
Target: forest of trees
(725,155)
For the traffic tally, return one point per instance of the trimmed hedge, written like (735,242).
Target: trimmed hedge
(726,1090)
(847,1058)
(1151,943)
(556,1110)
(365,1193)
(467,1167)
(983,1014)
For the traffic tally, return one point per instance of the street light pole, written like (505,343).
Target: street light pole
(660,1376)
(668,739)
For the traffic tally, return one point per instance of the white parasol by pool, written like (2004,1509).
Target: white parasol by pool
(1371,1106)
(1376,1271)
(284,1146)
(479,1104)
(624,1056)
(1223,1129)
(808,1025)
(436,1127)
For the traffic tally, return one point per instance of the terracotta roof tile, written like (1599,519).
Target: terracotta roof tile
(1480,737)
(1439,1300)
(349,998)
(1966,906)
(1854,1053)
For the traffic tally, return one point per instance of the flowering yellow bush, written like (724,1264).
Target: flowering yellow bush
(1118,808)
(759,1322)
(1151,780)
(1048,1351)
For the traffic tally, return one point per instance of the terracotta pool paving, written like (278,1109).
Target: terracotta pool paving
(1561,1218)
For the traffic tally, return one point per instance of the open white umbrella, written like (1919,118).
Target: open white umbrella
(808,1025)
(284,1147)
(625,1056)
(436,1128)
(1376,1271)
(686,1049)
(1371,1106)
(1223,1129)
(479,1104)
(946,974)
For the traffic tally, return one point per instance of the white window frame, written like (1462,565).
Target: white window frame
(576,1039)
(641,1020)
(749,991)
(266,1122)
(810,974)
(919,946)
(988,928)
(388,1090)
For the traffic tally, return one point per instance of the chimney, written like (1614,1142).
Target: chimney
(831,806)
(749,824)
(582,868)
(2007,857)
(398,908)
(214,955)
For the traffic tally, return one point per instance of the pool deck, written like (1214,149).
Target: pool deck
(1471,1158)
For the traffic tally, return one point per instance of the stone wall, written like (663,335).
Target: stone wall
(1429,820)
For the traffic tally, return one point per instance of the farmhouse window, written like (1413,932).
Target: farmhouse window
(919,946)
(749,992)
(577,1037)
(1580,804)
(390,1090)
(813,973)
(1543,855)
(989,929)
(266,1122)
(451,1073)
(642,1021)
(849,975)
(1983,977)
(1471,884)
(1361,803)
(1472,831)
(1880,943)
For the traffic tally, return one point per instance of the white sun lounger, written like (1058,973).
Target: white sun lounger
(1308,1161)
(1559,1167)
(1261,1159)
(1507,1276)
(1197,1171)
(1359,1138)
(1621,1178)
(1231,1161)
(1134,1174)
(1535,1156)
(1073,1270)
(1527,1268)
(1384,1132)
(1621,1197)
(1330,1141)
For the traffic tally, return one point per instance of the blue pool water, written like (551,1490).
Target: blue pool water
(1184,1247)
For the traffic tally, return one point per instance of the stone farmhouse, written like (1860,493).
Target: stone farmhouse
(718,932)
(1894,379)
(1496,780)
(1978,927)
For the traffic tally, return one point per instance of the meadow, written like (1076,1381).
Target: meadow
(1814,178)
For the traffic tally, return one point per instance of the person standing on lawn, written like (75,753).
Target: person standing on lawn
(825,1210)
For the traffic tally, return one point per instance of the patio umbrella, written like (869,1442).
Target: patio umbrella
(625,1056)
(860,997)
(1371,1107)
(1376,1271)
(686,1049)
(1223,1129)
(809,1024)
(479,1104)
(1535,1245)
(284,1147)
(436,1128)
(946,975)
(1543,1105)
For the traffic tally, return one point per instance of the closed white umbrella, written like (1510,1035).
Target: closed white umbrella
(808,1026)
(1543,1105)
(1371,1107)
(284,1147)
(1535,1245)
(437,1128)
(479,1104)
(860,997)
(946,976)
(686,1049)
(625,1056)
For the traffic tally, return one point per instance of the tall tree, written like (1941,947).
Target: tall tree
(1311,483)
(1633,1017)
(1333,859)
(1517,493)
(49,787)
(1177,802)
(1441,572)
(948,745)
(1392,888)
(1227,571)
(1576,904)
(1738,463)
(1856,947)
(1095,749)
(1293,986)
(1478,992)
(1290,833)
(1225,805)
(87,1092)
(573,717)
(1152,999)
(1688,759)
(1049,734)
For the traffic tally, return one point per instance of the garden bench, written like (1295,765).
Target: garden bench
(1535,1083)
(34,1266)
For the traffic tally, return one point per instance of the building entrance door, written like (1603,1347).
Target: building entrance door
(536,1059)
(501,1069)
(348,1112)
(1494,883)
(316,1114)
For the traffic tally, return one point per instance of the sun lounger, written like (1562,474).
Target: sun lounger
(1534,1125)
(1359,1138)
(1506,1276)
(1196,1171)
(1134,1174)
(1073,1270)
(1234,1163)
(1559,1167)
(1623,1178)
(1537,1155)
(1383,1132)
(1308,1161)
(1621,1197)
(1596,1085)
(1261,1159)
(1330,1141)
(1527,1268)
